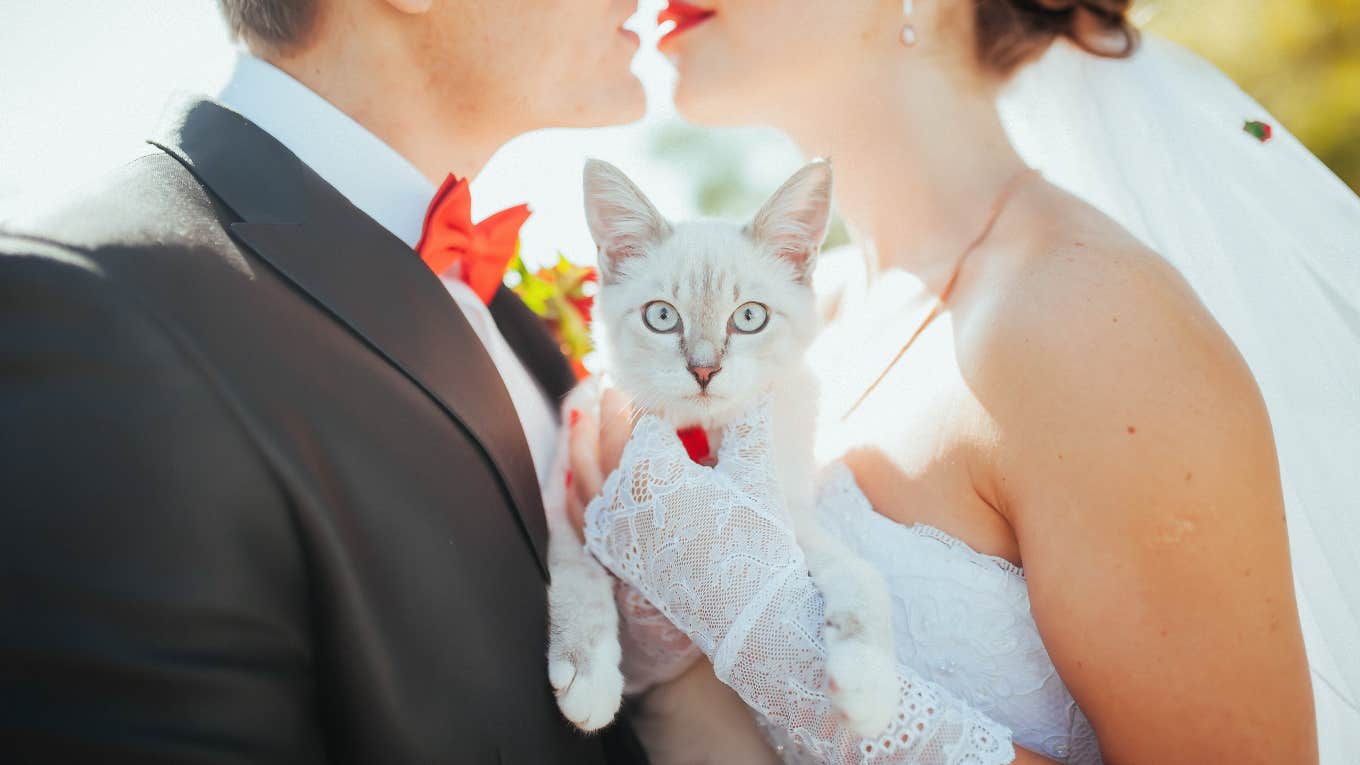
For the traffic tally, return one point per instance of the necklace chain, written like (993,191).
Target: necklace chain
(999,206)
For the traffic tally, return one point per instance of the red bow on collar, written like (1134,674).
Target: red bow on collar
(695,441)
(481,251)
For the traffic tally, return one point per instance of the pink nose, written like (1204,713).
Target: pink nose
(704,374)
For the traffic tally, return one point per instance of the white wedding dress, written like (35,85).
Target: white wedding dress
(962,620)
(714,551)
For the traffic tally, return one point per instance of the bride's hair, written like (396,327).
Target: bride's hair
(1011,32)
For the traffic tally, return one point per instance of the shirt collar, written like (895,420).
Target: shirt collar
(366,171)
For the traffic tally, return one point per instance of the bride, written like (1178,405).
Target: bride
(1080,418)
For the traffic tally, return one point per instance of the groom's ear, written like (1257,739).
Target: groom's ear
(792,224)
(622,220)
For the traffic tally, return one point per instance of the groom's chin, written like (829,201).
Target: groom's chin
(614,104)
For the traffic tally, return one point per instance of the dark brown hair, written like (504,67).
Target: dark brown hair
(1011,32)
(274,24)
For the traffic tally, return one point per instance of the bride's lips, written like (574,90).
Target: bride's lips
(684,15)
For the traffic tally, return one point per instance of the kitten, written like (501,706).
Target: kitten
(696,321)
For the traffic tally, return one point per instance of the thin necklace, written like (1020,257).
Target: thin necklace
(1007,192)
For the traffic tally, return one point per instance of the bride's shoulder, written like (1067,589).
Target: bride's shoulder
(1084,287)
(1100,326)
(1086,284)
(1108,384)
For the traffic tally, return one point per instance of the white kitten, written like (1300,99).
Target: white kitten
(696,321)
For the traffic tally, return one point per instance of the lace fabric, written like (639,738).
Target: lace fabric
(654,650)
(715,552)
(962,619)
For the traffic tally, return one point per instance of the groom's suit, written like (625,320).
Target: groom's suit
(263,495)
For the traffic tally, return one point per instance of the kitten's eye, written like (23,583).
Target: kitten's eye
(660,316)
(750,317)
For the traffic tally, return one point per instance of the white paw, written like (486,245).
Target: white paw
(862,682)
(583,638)
(587,680)
(861,667)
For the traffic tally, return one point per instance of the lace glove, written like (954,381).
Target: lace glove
(714,550)
(654,650)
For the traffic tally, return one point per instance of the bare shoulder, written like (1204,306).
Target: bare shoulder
(1097,346)
(1134,459)
(1098,298)
(1092,299)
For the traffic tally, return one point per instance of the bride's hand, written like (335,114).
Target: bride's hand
(600,424)
(714,550)
(654,650)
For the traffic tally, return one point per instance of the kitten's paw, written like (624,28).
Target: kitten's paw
(861,665)
(583,639)
(862,682)
(587,680)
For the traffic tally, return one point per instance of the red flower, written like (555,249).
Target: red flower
(563,295)
(1261,131)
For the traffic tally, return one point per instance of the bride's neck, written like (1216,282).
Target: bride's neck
(920,158)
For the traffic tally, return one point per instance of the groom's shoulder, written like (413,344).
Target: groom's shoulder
(150,204)
(88,255)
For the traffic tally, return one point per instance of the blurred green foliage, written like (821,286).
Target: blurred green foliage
(721,157)
(724,165)
(1299,58)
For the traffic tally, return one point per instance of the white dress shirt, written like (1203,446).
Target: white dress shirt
(390,190)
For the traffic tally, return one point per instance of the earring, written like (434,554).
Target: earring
(908,31)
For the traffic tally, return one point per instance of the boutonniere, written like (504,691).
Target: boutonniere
(562,295)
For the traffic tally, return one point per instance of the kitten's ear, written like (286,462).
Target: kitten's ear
(622,220)
(793,223)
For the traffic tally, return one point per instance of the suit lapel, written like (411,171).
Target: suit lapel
(367,280)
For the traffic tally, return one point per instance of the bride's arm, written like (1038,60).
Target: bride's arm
(714,551)
(1142,482)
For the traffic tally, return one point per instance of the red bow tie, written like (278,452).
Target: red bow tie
(481,251)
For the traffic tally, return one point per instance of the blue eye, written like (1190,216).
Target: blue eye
(660,316)
(750,318)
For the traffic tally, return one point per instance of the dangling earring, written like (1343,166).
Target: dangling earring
(908,31)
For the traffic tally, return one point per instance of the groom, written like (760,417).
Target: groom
(271,487)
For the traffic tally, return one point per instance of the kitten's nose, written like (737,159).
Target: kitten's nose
(704,374)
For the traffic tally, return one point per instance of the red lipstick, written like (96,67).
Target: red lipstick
(684,15)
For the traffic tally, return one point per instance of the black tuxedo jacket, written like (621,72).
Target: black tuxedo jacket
(263,495)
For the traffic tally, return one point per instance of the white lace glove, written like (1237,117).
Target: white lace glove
(714,550)
(654,650)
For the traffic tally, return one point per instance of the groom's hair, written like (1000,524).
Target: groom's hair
(276,25)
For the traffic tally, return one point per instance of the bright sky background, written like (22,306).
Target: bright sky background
(84,82)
